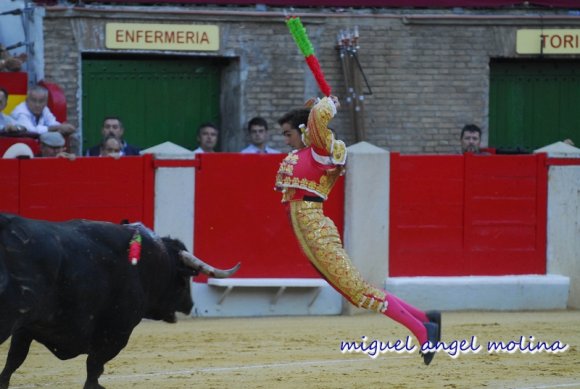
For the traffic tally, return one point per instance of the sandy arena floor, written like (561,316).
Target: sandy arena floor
(304,352)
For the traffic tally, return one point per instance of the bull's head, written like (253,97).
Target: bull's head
(188,266)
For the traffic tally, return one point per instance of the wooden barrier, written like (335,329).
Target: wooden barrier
(57,189)
(7,141)
(468,215)
(10,185)
(450,215)
(239,217)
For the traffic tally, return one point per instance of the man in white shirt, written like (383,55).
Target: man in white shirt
(207,137)
(258,129)
(35,116)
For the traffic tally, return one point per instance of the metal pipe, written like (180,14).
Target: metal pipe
(27,19)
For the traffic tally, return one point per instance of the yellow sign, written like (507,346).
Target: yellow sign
(188,37)
(550,41)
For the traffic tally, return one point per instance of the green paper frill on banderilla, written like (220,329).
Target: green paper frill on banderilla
(300,36)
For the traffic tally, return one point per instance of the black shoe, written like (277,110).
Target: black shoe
(432,338)
(435,317)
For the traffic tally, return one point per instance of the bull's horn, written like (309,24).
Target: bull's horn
(203,267)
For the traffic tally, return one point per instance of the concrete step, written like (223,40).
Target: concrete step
(518,292)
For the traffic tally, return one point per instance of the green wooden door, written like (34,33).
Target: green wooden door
(533,103)
(158,99)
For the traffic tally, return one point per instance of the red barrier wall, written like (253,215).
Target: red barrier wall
(468,215)
(450,215)
(239,217)
(91,188)
(9,185)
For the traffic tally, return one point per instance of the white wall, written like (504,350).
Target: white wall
(563,248)
(366,213)
(174,194)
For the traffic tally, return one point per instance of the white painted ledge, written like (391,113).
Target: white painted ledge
(525,292)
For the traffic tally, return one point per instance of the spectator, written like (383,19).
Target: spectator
(34,115)
(10,63)
(52,144)
(113,126)
(470,139)
(258,130)
(290,124)
(111,147)
(207,137)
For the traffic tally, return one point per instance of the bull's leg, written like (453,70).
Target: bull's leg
(102,352)
(8,314)
(94,370)
(19,346)
(6,324)
(5,329)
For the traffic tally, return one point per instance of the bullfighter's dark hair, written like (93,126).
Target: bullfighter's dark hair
(295,118)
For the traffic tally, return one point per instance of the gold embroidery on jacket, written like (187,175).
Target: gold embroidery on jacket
(285,179)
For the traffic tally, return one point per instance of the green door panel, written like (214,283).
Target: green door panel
(158,99)
(533,103)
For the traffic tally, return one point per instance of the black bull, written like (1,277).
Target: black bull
(71,287)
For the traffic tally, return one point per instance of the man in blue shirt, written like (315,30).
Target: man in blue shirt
(258,130)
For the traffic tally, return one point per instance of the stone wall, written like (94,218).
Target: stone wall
(429,72)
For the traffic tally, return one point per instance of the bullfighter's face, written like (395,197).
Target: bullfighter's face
(292,137)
